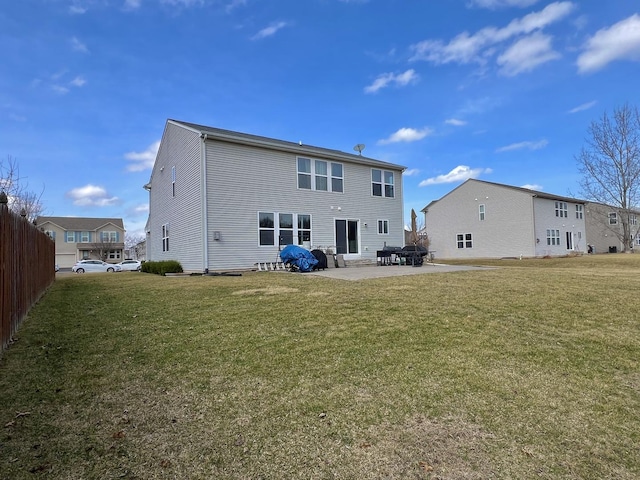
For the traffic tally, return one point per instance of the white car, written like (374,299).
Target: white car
(94,266)
(130,265)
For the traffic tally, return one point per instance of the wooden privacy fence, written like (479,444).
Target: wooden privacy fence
(27,259)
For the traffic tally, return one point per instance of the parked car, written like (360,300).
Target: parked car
(130,265)
(94,266)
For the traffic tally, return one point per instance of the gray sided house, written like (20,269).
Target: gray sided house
(223,200)
(481,219)
(80,238)
(605,227)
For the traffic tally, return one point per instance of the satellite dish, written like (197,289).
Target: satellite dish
(358,148)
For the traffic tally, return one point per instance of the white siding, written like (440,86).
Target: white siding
(506,231)
(546,219)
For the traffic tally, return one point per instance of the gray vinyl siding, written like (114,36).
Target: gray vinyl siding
(181,148)
(244,180)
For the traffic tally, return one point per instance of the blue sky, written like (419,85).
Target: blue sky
(500,90)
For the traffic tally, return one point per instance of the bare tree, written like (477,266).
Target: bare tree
(102,247)
(20,199)
(610,168)
(131,244)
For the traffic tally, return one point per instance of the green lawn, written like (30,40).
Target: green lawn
(530,370)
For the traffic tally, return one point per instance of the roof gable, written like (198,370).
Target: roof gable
(81,224)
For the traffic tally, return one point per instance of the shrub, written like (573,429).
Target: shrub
(162,267)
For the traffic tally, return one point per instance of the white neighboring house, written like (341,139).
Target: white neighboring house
(221,200)
(481,219)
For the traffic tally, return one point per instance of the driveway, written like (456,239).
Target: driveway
(366,272)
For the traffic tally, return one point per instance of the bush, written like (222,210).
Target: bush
(160,268)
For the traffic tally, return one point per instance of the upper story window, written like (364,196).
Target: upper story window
(481,211)
(319,175)
(579,210)
(108,236)
(633,219)
(85,237)
(70,237)
(173,181)
(561,209)
(613,218)
(382,183)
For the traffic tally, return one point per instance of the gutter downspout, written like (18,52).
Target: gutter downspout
(205,210)
(535,233)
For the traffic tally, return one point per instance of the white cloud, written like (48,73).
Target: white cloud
(78,46)
(406,135)
(526,54)
(503,3)
(532,186)
(270,30)
(59,89)
(455,122)
(132,4)
(411,172)
(78,82)
(480,46)
(183,3)
(583,107)
(233,4)
(458,174)
(385,79)
(523,146)
(91,196)
(77,8)
(621,41)
(143,160)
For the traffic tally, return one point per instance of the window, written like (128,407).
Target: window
(173,181)
(613,218)
(288,228)
(638,239)
(382,183)
(337,179)
(266,228)
(633,219)
(464,240)
(383,227)
(319,175)
(561,209)
(553,237)
(165,237)
(579,209)
(114,254)
(85,237)
(304,229)
(70,237)
(108,236)
(84,254)
(481,212)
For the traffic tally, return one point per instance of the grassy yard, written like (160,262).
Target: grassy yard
(531,370)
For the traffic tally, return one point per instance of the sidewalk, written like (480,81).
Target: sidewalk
(367,272)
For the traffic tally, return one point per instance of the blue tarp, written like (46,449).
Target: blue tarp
(302,258)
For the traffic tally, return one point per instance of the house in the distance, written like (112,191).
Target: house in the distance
(221,200)
(481,219)
(79,238)
(606,227)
